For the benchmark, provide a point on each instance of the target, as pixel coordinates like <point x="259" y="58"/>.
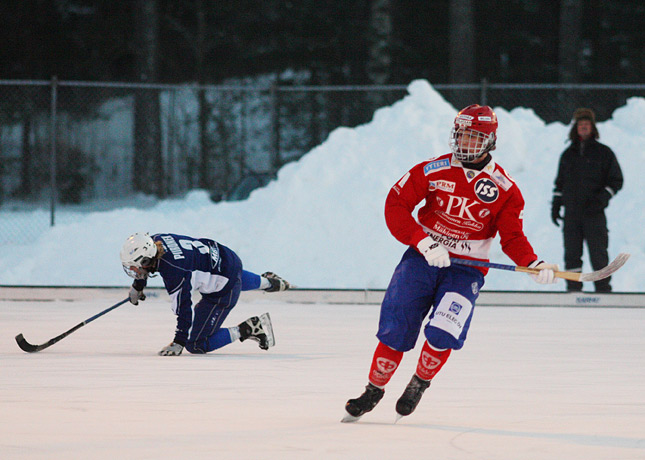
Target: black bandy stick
<point x="29" y="348"/>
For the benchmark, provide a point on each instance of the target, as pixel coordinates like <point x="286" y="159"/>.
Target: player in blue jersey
<point x="187" y="264"/>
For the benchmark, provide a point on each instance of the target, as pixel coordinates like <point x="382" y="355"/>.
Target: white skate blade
<point x="265" y="319"/>
<point x="348" y="418"/>
<point x="398" y="417"/>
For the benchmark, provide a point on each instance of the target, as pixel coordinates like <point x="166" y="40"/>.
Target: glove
<point x="603" y="198"/>
<point x="136" y="295"/>
<point x="436" y="255"/>
<point x="173" y="349"/>
<point x="546" y="274"/>
<point x="555" y="210"/>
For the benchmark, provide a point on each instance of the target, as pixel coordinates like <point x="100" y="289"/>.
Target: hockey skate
<point x="258" y="329"/>
<point x="277" y="283"/>
<point x="411" y="396"/>
<point x="364" y="403"/>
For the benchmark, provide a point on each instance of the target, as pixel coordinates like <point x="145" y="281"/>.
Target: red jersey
<point x="464" y="209"/>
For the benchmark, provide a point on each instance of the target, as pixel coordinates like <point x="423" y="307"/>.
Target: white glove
<point x="135" y="296"/>
<point x="546" y="275"/>
<point x="436" y="255"/>
<point x="173" y="349"/>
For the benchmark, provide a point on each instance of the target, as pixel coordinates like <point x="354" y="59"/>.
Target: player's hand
<point x="136" y="295"/>
<point x="546" y="274"/>
<point x="172" y="349"/>
<point x="436" y="255"/>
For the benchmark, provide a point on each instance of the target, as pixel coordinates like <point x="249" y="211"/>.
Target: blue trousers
<point x="206" y="333"/>
<point x="209" y="313"/>
<point x="446" y="296"/>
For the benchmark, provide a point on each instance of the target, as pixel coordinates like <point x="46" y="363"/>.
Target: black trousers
<point x="592" y="228"/>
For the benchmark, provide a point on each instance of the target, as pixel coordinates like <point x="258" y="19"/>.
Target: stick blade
<point x="24" y="345"/>
<point x="608" y="270"/>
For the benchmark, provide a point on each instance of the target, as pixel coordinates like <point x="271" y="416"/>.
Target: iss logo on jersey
<point x="486" y="190"/>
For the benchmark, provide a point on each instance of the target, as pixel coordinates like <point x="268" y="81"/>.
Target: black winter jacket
<point x="587" y="177"/>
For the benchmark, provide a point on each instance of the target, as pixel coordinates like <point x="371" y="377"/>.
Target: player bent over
<point x="468" y="200"/>
<point x="187" y="264"/>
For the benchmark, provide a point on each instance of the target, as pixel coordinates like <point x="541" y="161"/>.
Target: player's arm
<point x="516" y="245"/>
<point x="509" y="223"/>
<point x="182" y="306"/>
<point x="614" y="174"/>
<point x="400" y="203"/>
<point x="136" y="291"/>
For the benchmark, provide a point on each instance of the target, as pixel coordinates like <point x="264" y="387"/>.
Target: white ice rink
<point x="531" y="383"/>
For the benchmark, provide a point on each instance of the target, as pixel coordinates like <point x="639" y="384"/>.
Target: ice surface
<point x="530" y="383"/>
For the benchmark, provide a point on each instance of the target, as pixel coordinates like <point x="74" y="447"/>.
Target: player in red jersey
<point x="468" y="200"/>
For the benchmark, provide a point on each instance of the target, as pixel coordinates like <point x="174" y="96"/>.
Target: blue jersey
<point x="190" y="264"/>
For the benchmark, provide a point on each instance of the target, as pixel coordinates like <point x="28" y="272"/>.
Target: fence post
<point x="275" y="127"/>
<point x="52" y="148"/>
<point x="484" y="96"/>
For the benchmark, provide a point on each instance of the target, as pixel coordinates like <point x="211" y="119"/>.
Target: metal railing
<point x="88" y="145"/>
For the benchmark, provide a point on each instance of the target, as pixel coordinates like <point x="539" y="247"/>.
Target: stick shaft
<point x="597" y="275"/>
<point x="573" y="276"/>
<point x="29" y="348"/>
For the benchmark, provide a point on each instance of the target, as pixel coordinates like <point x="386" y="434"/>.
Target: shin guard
<point x="384" y="363"/>
<point x="431" y="361"/>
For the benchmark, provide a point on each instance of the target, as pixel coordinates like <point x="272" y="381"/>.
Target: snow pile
<point x="321" y="224"/>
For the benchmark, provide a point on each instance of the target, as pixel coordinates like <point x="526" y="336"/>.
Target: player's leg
<point x="269" y="282"/>
<point x="445" y="331"/>
<point x="258" y="329"/>
<point x="405" y="306"/>
<point x="210" y="312"/>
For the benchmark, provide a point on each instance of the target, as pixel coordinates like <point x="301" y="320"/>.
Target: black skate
<point x="411" y="396"/>
<point x="364" y="403"/>
<point x="277" y="283"/>
<point x="258" y="329"/>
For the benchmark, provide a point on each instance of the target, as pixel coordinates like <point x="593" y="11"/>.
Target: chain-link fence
<point x="83" y="145"/>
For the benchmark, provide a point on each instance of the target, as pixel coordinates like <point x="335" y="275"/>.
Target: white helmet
<point x="137" y="255"/>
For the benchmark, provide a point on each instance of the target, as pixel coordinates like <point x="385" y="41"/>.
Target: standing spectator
<point x="588" y="177"/>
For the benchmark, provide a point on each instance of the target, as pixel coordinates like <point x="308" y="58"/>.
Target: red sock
<point x="431" y="361"/>
<point x="384" y="363"/>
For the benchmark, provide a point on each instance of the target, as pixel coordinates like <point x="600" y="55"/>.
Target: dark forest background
<point x="152" y="56"/>
<point x="338" y="41"/>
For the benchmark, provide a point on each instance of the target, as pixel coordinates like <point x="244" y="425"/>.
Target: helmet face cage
<point x="137" y="273"/>
<point x="473" y="133"/>
<point x="467" y="145"/>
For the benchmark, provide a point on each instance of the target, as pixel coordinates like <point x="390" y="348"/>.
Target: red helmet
<point x="474" y="133"/>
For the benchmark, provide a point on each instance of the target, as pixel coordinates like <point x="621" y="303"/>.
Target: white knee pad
<point x="452" y="313"/>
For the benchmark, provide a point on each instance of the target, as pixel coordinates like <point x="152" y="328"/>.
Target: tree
<point x="462" y="42"/>
<point x="569" y="52"/>
<point x="148" y="173"/>
<point x="380" y="42"/>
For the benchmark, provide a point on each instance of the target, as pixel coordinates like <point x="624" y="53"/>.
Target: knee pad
<point x="440" y="339"/>
<point x="450" y="321"/>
